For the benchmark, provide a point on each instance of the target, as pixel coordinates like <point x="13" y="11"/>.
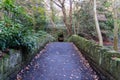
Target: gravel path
<point x="58" y="61"/>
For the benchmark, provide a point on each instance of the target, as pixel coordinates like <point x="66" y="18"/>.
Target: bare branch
<point x="70" y="12"/>
<point x="57" y="4"/>
<point x="46" y="4"/>
<point x="63" y="1"/>
<point x="60" y="1"/>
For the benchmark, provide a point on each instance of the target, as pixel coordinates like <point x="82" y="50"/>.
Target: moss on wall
<point x="99" y="56"/>
<point x="11" y="63"/>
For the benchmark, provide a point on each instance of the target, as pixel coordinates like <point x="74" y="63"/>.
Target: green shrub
<point x="9" y="35"/>
<point x="16" y="37"/>
<point x="17" y="27"/>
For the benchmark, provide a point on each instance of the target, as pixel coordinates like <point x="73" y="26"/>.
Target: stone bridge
<point x="77" y="59"/>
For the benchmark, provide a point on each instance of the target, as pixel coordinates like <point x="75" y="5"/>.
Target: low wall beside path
<point x="12" y="62"/>
<point x="106" y="62"/>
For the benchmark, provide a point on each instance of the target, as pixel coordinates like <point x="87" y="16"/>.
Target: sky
<point x="58" y="9"/>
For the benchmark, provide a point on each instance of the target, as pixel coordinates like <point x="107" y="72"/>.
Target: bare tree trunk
<point x="52" y="16"/>
<point x="74" y="20"/>
<point x="78" y="27"/>
<point x="67" y="22"/>
<point x="65" y="19"/>
<point x="76" y="15"/>
<point x="70" y="16"/>
<point x="97" y="25"/>
<point x="115" y="26"/>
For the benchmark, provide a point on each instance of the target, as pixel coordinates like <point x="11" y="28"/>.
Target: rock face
<point x="10" y="64"/>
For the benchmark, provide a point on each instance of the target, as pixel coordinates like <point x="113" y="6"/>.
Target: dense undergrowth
<point x="16" y="37"/>
<point x="18" y="26"/>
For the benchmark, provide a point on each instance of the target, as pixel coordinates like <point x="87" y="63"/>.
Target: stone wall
<point x="100" y="58"/>
<point x="11" y="63"/>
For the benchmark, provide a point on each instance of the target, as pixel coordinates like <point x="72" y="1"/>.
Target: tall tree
<point x="50" y="13"/>
<point x="36" y="10"/>
<point x="66" y="18"/>
<point x="115" y="16"/>
<point x="76" y="16"/>
<point x="52" y="16"/>
<point x="97" y="25"/>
